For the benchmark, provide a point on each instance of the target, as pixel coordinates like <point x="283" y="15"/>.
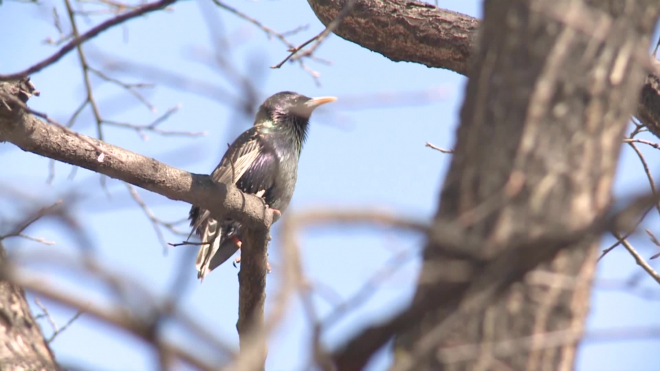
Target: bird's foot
<point x="276" y="215"/>
<point x="237" y="241"/>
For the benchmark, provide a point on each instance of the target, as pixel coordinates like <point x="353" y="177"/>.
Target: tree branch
<point x="408" y="31"/>
<point x="33" y="135"/>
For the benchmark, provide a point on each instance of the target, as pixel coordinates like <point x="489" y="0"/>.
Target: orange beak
<point x="315" y="102"/>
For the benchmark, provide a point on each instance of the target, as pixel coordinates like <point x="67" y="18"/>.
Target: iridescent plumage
<point x="263" y="161"/>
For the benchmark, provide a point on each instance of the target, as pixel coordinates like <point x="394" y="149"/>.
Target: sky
<point x="367" y="150"/>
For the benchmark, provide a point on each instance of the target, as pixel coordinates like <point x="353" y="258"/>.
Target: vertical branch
<point x="252" y="294"/>
<point x="85" y="69"/>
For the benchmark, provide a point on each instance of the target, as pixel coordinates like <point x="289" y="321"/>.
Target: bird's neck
<point x="298" y="131"/>
<point x="294" y="131"/>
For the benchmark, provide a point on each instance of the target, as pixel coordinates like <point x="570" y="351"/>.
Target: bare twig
<point x="87" y="36"/>
<point x="153" y="127"/>
<point x="85" y="70"/>
<point x="280" y="36"/>
<point x="646" y="170"/>
<point x="348" y="7"/>
<point x="647" y="142"/>
<point x="638" y="259"/>
<point x="439" y="149"/>
<point x="293" y="50"/>
<point x="18" y="230"/>
<point x="132" y="88"/>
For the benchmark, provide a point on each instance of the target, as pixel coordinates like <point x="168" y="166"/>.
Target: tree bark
<point x="410" y="31"/>
<point x="552" y="88"/>
<point x="22" y="345"/>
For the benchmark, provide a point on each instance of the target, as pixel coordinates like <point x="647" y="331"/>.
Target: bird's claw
<point x="276" y="215"/>
<point x="238" y="261"/>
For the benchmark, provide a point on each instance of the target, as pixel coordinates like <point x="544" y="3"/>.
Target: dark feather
<point x="262" y="161"/>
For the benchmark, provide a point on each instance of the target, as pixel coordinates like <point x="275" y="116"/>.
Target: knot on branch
<point x="25" y="89"/>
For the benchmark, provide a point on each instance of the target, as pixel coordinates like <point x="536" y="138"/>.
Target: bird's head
<point x="289" y="111"/>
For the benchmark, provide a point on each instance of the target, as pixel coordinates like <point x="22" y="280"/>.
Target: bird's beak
<point x="315" y="102"/>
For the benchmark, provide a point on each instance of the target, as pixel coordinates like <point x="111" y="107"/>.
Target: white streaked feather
<point x="231" y="169"/>
<point x="212" y="234"/>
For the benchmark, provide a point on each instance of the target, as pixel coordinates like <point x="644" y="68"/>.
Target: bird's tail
<point x="211" y="240"/>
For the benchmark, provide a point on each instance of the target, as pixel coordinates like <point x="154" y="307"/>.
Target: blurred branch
<point x="155" y="221"/>
<point x="142" y="328"/>
<point x="504" y="348"/>
<point x="144" y="9"/>
<point x="655" y="242"/>
<point x="638" y="259"/>
<point x="153" y="127"/>
<point x="56" y="330"/>
<point x="439" y="149"/>
<point x="280" y="36"/>
<point x="132" y="88"/>
<point x="20" y="227"/>
<point x="481" y="279"/>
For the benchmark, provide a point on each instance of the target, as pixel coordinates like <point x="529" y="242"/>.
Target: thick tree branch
<point x="405" y="31"/>
<point x="408" y="31"/>
<point x="33" y="135"/>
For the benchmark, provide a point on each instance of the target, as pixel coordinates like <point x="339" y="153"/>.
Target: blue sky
<point x="355" y="157"/>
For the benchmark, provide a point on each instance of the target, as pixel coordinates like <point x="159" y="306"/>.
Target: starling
<point x="262" y="161"/>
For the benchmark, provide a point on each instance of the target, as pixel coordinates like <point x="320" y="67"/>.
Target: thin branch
<point x="18" y="230"/>
<point x="348" y="7"/>
<point x="153" y="127"/>
<point x="647" y="142"/>
<point x="37" y="239"/>
<point x="155" y="221"/>
<point x="293" y="50"/>
<point x="87" y="36"/>
<point x="638" y="259"/>
<point x="132" y="88"/>
<point x="85" y="69"/>
<point x="438" y="148"/>
<point x="280" y="36"/>
<point x="655" y="242"/>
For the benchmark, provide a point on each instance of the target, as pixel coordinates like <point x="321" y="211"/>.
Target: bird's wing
<point x="250" y="163"/>
<point x="236" y="161"/>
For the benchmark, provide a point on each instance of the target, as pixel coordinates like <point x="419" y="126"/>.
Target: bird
<point x="262" y="161"/>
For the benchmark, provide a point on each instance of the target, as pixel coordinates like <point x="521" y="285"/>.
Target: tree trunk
<point x="22" y="345"/>
<point x="552" y="87"/>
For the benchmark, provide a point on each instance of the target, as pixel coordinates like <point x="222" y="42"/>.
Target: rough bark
<point x="410" y="31"/>
<point x="552" y="88"/>
<point x="22" y="345"/>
